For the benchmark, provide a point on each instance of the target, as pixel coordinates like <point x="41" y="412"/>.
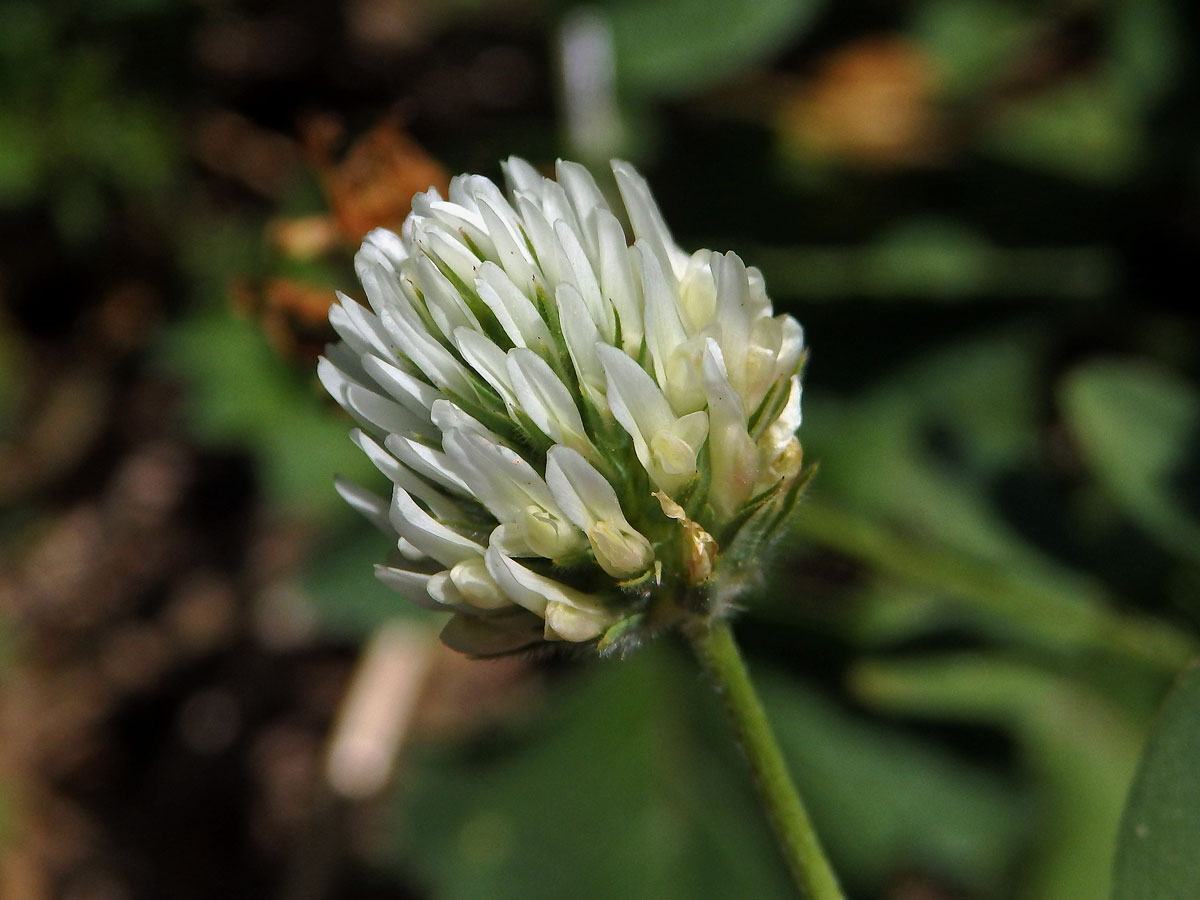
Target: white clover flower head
<point x="586" y="437"/>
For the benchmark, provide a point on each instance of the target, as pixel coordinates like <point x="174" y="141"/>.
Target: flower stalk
<point x="718" y="654"/>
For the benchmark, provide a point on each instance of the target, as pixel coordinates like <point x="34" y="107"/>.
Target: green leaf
<point x="617" y="798"/>
<point x="1080" y="749"/>
<point x="969" y="39"/>
<point x="241" y="392"/>
<point x="339" y="582"/>
<point x="1137" y="427"/>
<point x="884" y="802"/>
<point x="887" y="496"/>
<point x="672" y="47"/>
<point x="1158" y="850"/>
<point x="1087" y="129"/>
<point x="632" y="788"/>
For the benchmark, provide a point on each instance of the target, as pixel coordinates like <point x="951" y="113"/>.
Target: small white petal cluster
<point x="527" y="379"/>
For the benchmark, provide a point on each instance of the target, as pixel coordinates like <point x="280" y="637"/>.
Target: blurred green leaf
<point x="1063" y="612"/>
<point x="1086" y="129"/>
<point x="1138" y="428"/>
<point x="242" y="393"/>
<point x="1158" y="851"/>
<point x="969" y="39"/>
<point x="887" y="803"/>
<point x="634" y="790"/>
<point x="12" y="359"/>
<point x="905" y="487"/>
<point x="1081" y="748"/>
<point x="1146" y="48"/>
<point x="616" y="799"/>
<point x="671" y="47"/>
<point x="339" y="581"/>
<point x="73" y="131"/>
<point x="931" y="260"/>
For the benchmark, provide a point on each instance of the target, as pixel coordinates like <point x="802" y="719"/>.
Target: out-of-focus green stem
<point x="1070" y="618"/>
<point x="718" y="654"/>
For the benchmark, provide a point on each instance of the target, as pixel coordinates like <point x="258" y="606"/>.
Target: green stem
<point x="717" y="652"/>
<point x="1052" y="608"/>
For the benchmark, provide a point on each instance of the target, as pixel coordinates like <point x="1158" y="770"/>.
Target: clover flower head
<point x="584" y="435"/>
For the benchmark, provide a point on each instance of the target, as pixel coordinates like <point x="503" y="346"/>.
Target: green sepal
<point x="645" y="583"/>
<point x="694" y="497"/>
<point x="623" y="636"/>
<point x="769" y="409"/>
<point x="787" y="505"/>
<point x="754" y="535"/>
<point x="487" y="319"/>
<point x="755" y="505"/>
<point x="483" y="408"/>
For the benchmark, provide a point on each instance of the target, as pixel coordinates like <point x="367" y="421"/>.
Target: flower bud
<point x="620" y="552"/>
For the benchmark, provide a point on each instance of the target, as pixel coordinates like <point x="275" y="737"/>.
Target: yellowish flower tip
<point x="580" y="422"/>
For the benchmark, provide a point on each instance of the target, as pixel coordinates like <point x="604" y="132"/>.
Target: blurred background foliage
<point x="983" y="211"/>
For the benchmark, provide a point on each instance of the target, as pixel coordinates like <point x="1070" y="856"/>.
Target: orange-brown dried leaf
<point x="869" y="102"/>
<point x="374" y="184"/>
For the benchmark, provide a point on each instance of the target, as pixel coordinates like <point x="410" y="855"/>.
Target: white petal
<point x="348" y="362"/>
<point x="487" y="360"/>
<point x="647" y="221"/>
<point x="366" y="405"/>
<point x="437" y="364"/>
<point x="791" y="347"/>
<point x="591" y="504"/>
<point x="504" y="570"/>
<point x="637" y="402"/>
<point x="546" y="400"/>
<point x="698" y="293"/>
<point x="733" y="316"/>
<point x="451" y="253"/>
<point x="732" y="453"/>
<point x="582" y="616"/>
<point x="582" y="276"/>
<point x="549" y="255"/>
<point x="557" y="207"/>
<point x="464" y="223"/>
<point x="585" y="198"/>
<point x="449" y="417"/>
<point x="499" y="477"/>
<point x="369" y="505"/>
<point x="664" y="330"/>
<point x="462" y="192"/>
<point x="389" y="243"/>
<point x="582" y="492"/>
<point x="513" y="310"/>
<point x="476" y="586"/>
<point x="380" y="278"/>
<point x="780" y="432"/>
<point x="445" y="304"/>
<point x="581" y="336"/>
<point x="617" y="281"/>
<point x="413" y="585"/>
<point x="413" y="394"/>
<point x="399" y="474"/>
<point x="358" y="327"/>
<point x="426" y="462"/>
<point x="521" y="176"/>
<point x="571" y="623"/>
<point x="509" y="240"/>
<point x="427" y="533"/>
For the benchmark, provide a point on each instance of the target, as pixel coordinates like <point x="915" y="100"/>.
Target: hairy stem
<point x="718" y="654"/>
